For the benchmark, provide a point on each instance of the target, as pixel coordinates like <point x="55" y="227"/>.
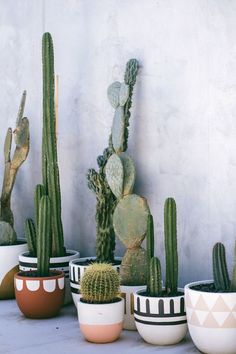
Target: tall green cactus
<point x="44" y="237"/>
<point x="171" y="246"/>
<point x="220" y="271"/>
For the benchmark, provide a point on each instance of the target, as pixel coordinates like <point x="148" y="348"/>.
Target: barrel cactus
<point x="120" y="97"/>
<point x="12" y="165"/>
<point x="50" y="170"/>
<point x="100" y="284"/>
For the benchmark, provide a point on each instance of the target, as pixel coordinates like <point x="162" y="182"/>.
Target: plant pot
<point x="211" y="319"/>
<point x="27" y="263"/>
<point x="127" y="292"/>
<point x="77" y="272"/>
<point x="160" y="320"/>
<point x="8" y="267"/>
<point x="101" y="323"/>
<point x="40" y="297"/>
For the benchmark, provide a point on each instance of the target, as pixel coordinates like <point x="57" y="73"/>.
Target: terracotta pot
<point x="101" y="323"/>
<point x="160" y="320"/>
<point x="211" y="319"/>
<point x="8" y="267"/>
<point x="40" y="297"/>
<point x="56" y="263"/>
<point x="77" y="271"/>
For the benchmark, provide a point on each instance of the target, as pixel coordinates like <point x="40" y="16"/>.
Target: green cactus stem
<point x="150" y="247"/>
<point x="30" y="234"/>
<point x="44" y="237"/>
<point x="154" y="281"/>
<point x="220" y="271"/>
<point x="233" y="280"/>
<point x="39" y="192"/>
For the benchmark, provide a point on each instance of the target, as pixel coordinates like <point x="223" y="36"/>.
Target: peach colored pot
<point x="40" y="297"/>
<point x="101" y="323"/>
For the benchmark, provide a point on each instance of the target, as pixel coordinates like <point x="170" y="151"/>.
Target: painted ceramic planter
<point x="211" y="320"/>
<point x="8" y="267"/>
<point x="160" y="320"/>
<point x="101" y="323"/>
<point x="27" y="263"/>
<point x="77" y="271"/>
<point x="40" y="297"/>
<point x="127" y="292"/>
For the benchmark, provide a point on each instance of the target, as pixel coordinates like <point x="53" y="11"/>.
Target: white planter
<point x="160" y="320"/>
<point x="77" y="271"/>
<point x="211" y="320"/>
<point x="127" y="292"/>
<point x="8" y="267"/>
<point x="101" y="323"/>
<point x="56" y="263"/>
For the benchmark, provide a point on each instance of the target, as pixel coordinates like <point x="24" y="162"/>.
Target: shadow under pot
<point x="27" y="263"/>
<point x="101" y="323"/>
<point x="160" y="320"/>
<point x="40" y="297"/>
<point x="77" y="269"/>
<point x="211" y="318"/>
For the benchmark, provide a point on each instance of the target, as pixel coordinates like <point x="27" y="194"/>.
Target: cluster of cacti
<point x="220" y="271"/>
<point x="12" y="165"/>
<point x="120" y="97"/>
<point x="36" y="234"/>
<point x="154" y="282"/>
<point x="100" y="284"/>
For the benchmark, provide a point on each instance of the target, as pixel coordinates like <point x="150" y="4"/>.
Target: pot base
<point x="101" y="333"/>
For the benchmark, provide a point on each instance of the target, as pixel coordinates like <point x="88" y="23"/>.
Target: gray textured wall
<point x="183" y="125"/>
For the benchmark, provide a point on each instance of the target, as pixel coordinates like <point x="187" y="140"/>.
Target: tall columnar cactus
<point x="120" y="97"/>
<point x="171" y="246"/>
<point x="220" y="271"/>
<point x="100" y="283"/>
<point x="44" y="237"/>
<point x="12" y="165"/>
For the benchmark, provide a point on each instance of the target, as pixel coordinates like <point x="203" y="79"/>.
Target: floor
<point x="61" y="335"/>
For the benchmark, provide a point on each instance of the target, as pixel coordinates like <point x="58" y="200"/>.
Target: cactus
<point x="44" y="237"/>
<point x="120" y="97"/>
<point x="171" y="246"/>
<point x="154" y="281"/>
<point x="7" y="234"/>
<point x="100" y="284"/>
<point x="30" y="234"/>
<point x="12" y="165"/>
<point x="220" y="271"/>
<point x="233" y="280"/>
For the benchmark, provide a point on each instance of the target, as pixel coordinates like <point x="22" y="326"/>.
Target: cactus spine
<point x="100" y="283"/>
<point x="171" y="246"/>
<point x="43" y="241"/>
<point x="12" y="165"/>
<point x="220" y="271"/>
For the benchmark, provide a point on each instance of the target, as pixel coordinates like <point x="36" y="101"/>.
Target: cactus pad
<point x="117" y="129"/>
<point x="123" y="94"/>
<point x="133" y="269"/>
<point x="129" y="174"/>
<point x="113" y="94"/>
<point x="115" y="175"/>
<point x="130" y="220"/>
<point x="7" y="234"/>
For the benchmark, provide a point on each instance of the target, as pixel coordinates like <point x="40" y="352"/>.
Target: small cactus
<point x="100" y="284"/>
<point x="220" y="271"/>
<point x="154" y="281"/>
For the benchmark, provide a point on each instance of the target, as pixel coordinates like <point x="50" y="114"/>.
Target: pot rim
<point x="189" y="285"/>
<point x="105" y="304"/>
<point x="83" y="259"/>
<point x="137" y="293"/>
<point x="68" y="251"/>
<point x="21" y="242"/>
<point x="57" y="275"/>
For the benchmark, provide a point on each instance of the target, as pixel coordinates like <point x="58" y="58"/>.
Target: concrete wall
<point x="183" y="125"/>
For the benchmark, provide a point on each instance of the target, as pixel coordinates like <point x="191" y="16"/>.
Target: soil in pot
<point x="208" y="288"/>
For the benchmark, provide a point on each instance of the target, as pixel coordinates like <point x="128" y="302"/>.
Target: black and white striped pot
<point x="77" y="270"/>
<point x="56" y="263"/>
<point x="160" y="320"/>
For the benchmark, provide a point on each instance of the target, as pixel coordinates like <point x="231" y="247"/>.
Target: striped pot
<point x="211" y="319"/>
<point x="8" y="267"/>
<point x="160" y="320"/>
<point x="77" y="270"/>
<point x="56" y="263"/>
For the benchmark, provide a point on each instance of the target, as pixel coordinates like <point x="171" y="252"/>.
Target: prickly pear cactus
<point x="129" y="173"/>
<point x="7" y="234"/>
<point x="115" y="175"/>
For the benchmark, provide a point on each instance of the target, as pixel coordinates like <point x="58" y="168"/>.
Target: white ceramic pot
<point x="56" y="263"/>
<point x="211" y="319"/>
<point x="8" y="267"/>
<point x="160" y="320"/>
<point x="127" y="292"/>
<point x="77" y="270"/>
<point x="101" y="323"/>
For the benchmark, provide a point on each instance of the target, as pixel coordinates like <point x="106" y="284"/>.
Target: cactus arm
<point x="39" y="192"/>
<point x="21" y="108"/>
<point x="220" y="271"/>
<point x="233" y="280"/>
<point x="30" y="234"/>
<point x="150" y="247"/>
<point x="155" y="277"/>
<point x="44" y="237"/>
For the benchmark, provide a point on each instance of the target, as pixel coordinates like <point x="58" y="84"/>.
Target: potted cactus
<point x="100" y="308"/>
<point x="40" y="294"/>
<point x="211" y="307"/>
<point x="10" y="246"/>
<point x="60" y="257"/>
<point x="120" y="97"/>
<point x="159" y="312"/>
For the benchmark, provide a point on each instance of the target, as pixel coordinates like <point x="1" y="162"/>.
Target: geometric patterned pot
<point x="211" y="319"/>
<point x="160" y="320"/>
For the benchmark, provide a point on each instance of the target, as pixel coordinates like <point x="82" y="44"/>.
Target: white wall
<point x="183" y="125"/>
